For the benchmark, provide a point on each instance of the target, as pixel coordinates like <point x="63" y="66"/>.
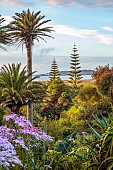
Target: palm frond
<point x="14" y="86"/>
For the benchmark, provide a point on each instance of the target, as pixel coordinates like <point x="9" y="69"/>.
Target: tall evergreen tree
<point x="54" y="72"/>
<point x="75" y="72"/>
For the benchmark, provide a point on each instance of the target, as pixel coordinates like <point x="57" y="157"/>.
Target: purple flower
<point x="71" y="139"/>
<point x="18" y="120"/>
<point x="18" y="133"/>
<point x="7" y="154"/>
<point x="26" y="128"/>
<point x="47" y="166"/>
<point x="20" y="141"/>
<point x="7" y="132"/>
<point x="84" y="133"/>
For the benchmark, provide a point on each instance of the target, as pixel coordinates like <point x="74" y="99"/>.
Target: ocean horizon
<point x="45" y="78"/>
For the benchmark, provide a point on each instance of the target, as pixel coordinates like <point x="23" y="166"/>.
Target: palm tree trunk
<point x="29" y="70"/>
<point x="30" y="112"/>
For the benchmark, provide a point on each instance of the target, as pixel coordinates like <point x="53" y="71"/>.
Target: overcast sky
<point x="87" y="23"/>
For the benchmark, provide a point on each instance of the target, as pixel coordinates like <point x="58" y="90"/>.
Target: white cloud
<point x="15" y="3"/>
<point x="7" y="19"/>
<point x="84" y="33"/>
<point x="61" y="2"/>
<point x="106" y="39"/>
<point x="96" y="3"/>
<point x="80" y="33"/>
<point x="82" y="3"/>
<point x="108" y="29"/>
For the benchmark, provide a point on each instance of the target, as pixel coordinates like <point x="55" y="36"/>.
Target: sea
<point x="45" y="78"/>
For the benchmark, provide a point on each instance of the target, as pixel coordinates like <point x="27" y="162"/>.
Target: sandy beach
<point x="84" y="81"/>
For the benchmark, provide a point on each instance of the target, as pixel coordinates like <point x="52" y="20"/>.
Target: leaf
<point x="109" y="159"/>
<point x="63" y="146"/>
<point x="95" y="132"/>
<point x="102" y="122"/>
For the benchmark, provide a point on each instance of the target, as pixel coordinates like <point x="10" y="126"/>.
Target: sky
<point x="86" y="23"/>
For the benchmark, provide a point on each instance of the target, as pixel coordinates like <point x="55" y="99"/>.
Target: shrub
<point x="25" y="140"/>
<point x="2" y="113"/>
<point x="103" y="76"/>
<point x="58" y="161"/>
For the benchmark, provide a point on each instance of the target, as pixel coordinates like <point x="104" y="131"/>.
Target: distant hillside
<point x="65" y="73"/>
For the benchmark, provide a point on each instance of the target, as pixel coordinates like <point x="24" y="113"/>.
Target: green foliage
<point x="103" y="107"/>
<point x="56" y="99"/>
<point x="73" y="117"/>
<point x="102" y="146"/>
<point x="14" y="89"/>
<point x="88" y="94"/>
<point x="95" y="132"/>
<point x="54" y="73"/>
<point x="25" y="28"/>
<point x="101" y="122"/>
<point x="80" y="147"/>
<point x="59" y="129"/>
<point x="70" y="91"/>
<point x="64" y="144"/>
<point x="100" y="153"/>
<point x="75" y="73"/>
<point x="69" y="121"/>
<point x="91" y="102"/>
<point x="4" y="35"/>
<point x="88" y="101"/>
<point x="75" y="159"/>
<point x="2" y="113"/>
<point x="57" y="161"/>
<point x="28" y="26"/>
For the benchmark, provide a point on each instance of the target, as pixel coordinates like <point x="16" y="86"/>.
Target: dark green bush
<point x="61" y="162"/>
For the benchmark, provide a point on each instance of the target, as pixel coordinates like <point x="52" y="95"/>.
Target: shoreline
<point x="84" y="81"/>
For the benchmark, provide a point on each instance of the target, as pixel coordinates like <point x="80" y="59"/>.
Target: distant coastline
<point x="85" y="74"/>
<point x="65" y="73"/>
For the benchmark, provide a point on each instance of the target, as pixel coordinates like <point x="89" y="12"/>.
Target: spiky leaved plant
<point x="14" y="89"/>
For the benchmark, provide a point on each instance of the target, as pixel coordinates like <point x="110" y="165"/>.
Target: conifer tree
<point x="57" y="99"/>
<point x="54" y="72"/>
<point x="75" y="72"/>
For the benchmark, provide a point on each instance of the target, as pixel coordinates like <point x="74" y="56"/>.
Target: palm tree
<point x="25" y="28"/>
<point x="14" y="89"/>
<point x="4" y="36"/>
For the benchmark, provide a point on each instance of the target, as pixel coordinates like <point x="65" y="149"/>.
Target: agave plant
<point x="102" y="146"/>
<point x="101" y="123"/>
<point x="64" y="144"/>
